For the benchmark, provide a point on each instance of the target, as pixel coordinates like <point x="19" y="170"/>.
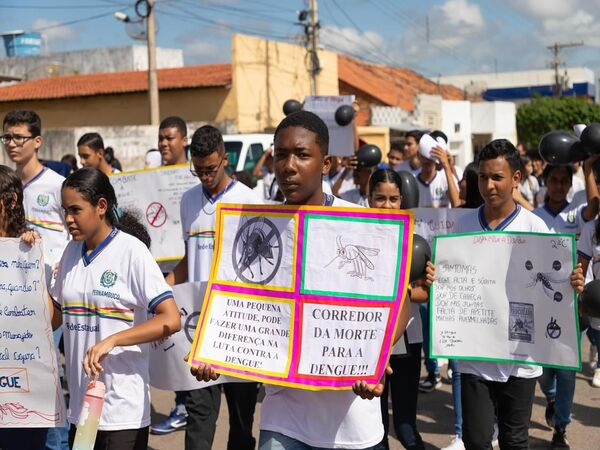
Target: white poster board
<point x="505" y="297"/>
<point x="341" y="139"/>
<point x="430" y="222"/>
<point x="168" y="370"/>
<point x="31" y="393"/>
<point x="156" y="195"/>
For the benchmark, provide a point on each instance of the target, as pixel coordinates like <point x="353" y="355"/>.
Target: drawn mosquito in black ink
<point x="357" y="255"/>
<point x="260" y="240"/>
<point x="547" y="279"/>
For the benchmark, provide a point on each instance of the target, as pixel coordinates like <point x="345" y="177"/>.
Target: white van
<point x="244" y="150"/>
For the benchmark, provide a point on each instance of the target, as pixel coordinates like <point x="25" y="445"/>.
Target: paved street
<point x="435" y="419"/>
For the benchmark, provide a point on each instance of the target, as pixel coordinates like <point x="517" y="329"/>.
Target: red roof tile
<point x="210" y="75"/>
<point x="391" y="86"/>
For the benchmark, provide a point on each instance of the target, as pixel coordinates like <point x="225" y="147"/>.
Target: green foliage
<point x="545" y="114"/>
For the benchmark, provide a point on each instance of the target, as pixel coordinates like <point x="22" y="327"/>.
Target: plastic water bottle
<point x="89" y="417"/>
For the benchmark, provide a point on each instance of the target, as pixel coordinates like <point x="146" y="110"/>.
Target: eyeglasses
<point x="208" y="172"/>
<point x="18" y="140"/>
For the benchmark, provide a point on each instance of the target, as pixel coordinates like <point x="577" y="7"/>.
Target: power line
<point x="72" y="22"/>
<point x="53" y="6"/>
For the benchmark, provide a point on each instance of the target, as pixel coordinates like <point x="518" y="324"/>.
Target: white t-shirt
<point x="198" y="211"/>
<point x="354" y="196"/>
<point x="578" y="185"/>
<point x="435" y="193"/>
<point x="275" y="186"/>
<point x="329" y="419"/>
<point x="43" y="210"/>
<point x="568" y="220"/>
<point x="405" y="165"/>
<point x="519" y="220"/>
<point x="112" y="289"/>
<point x="347" y="184"/>
<point x="529" y="188"/>
<point x="414" y="330"/>
<point x="589" y="248"/>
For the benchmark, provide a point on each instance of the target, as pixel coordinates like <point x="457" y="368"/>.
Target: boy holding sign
<point x="301" y="419"/>
<point x="490" y="388"/>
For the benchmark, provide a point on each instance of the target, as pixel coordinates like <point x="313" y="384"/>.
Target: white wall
<point x="456" y="123"/>
<point x="495" y="118"/>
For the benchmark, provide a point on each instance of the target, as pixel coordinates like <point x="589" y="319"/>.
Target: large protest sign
<point x="431" y="222"/>
<point x="505" y="297"/>
<point x="30" y="391"/>
<point x="156" y="195"/>
<point x="341" y="138"/>
<point x="304" y="296"/>
<point x="168" y="369"/>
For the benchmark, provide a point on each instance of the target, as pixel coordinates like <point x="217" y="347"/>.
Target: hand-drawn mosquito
<point x="357" y="255"/>
<point x="546" y="279"/>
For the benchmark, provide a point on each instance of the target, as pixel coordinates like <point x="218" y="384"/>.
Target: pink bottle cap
<point x="96" y="389"/>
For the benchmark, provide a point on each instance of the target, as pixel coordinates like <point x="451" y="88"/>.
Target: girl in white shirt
<point x="106" y="284"/>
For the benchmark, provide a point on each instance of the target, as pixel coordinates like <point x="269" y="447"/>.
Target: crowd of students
<point x="91" y="245"/>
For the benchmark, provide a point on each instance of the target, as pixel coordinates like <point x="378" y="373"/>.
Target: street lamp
<point x="144" y="10"/>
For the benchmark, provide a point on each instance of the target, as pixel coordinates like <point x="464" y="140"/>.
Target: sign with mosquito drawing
<point x="505" y="297"/>
<point x="304" y="296"/>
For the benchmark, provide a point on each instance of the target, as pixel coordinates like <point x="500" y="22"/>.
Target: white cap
<point x="426" y="144"/>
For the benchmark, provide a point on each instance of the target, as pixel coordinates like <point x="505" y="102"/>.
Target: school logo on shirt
<point x="438" y="193"/>
<point x="43" y="199"/>
<point x="108" y="279"/>
<point x="571" y="217"/>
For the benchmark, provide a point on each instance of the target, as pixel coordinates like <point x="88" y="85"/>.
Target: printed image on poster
<point x="517" y="306"/>
<point x="30" y="391"/>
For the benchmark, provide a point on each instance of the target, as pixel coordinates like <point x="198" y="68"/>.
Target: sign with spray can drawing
<point x="304" y="296"/>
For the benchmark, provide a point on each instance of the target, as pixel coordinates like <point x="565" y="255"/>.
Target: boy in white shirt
<point x="198" y="212"/>
<point x="490" y="388"/>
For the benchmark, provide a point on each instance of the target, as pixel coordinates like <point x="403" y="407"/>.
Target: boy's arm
<point x="518" y="197"/>
<point x="180" y="273"/>
<point x="442" y="156"/>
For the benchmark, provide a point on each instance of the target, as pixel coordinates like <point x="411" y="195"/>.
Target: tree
<point x="545" y="114"/>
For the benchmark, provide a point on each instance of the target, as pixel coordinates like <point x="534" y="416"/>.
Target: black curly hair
<point x="205" y="141"/>
<point x="93" y="185"/>
<point x="12" y="211"/>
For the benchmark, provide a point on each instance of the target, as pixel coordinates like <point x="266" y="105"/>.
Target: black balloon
<point x="368" y="155"/>
<point x="584" y="322"/>
<point x="421" y="253"/>
<point x="409" y="191"/>
<point x="555" y="147"/>
<point x="590" y="299"/>
<point x="344" y="115"/>
<point x="578" y="152"/>
<point x="590" y="138"/>
<point x="291" y="106"/>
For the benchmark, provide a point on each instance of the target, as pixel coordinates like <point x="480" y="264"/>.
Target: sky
<point x="433" y="37"/>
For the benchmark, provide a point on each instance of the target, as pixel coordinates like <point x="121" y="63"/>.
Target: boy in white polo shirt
<point x="490" y="388"/>
<point x="22" y="138"/>
<point x="198" y="209"/>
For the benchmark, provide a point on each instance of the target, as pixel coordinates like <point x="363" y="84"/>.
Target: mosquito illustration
<point x="357" y="255"/>
<point x="546" y="279"/>
<point x="255" y="245"/>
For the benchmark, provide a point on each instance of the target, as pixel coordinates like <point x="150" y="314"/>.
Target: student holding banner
<point x="294" y="418"/>
<point x="490" y="388"/>
<point x="106" y="284"/>
<point x="198" y="208"/>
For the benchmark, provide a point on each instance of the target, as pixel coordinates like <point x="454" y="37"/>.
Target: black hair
<point x="534" y="154"/>
<point x="396" y="145"/>
<point x="205" y="141"/>
<point x="14" y="216"/>
<point x="437" y="133"/>
<point x="24" y="117"/>
<point x="311" y="122"/>
<point x="92" y="185"/>
<point x="550" y="167"/>
<point x="109" y="157"/>
<point x="174" y="122"/>
<point x="385" y="176"/>
<point x="71" y="160"/>
<point x="473" y="198"/>
<point x="416" y="134"/>
<point x="501" y="148"/>
<point x="91" y="140"/>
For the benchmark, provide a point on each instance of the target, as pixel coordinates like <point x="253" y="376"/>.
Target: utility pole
<point x="152" y="77"/>
<point x="555" y="64"/>
<point x="315" y="67"/>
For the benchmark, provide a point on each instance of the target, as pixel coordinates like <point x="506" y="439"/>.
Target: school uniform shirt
<point x="198" y="209"/>
<point x="578" y="186"/>
<point x="588" y="248"/>
<point x="414" y="330"/>
<point x="330" y="419"/>
<point x="529" y="187"/>
<point x="43" y="211"/>
<point x="354" y="196"/>
<point x="347" y="183"/>
<point x="101" y="293"/>
<point x="568" y="220"/>
<point x="519" y="220"/>
<point x="433" y="194"/>
<point x="275" y="187"/>
<point x="405" y="165"/>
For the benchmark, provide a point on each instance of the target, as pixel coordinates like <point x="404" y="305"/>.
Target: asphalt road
<point x="435" y="418"/>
